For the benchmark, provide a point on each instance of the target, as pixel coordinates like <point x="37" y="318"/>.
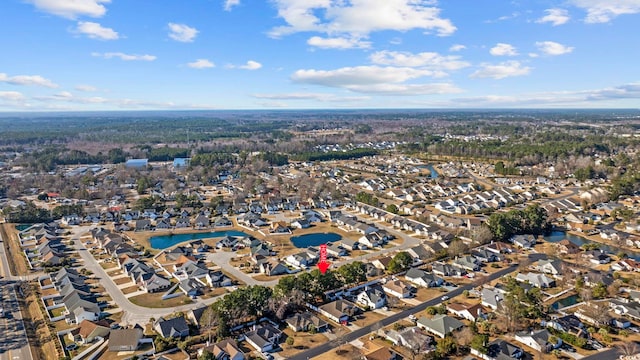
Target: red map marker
<point x="323" y="264"/>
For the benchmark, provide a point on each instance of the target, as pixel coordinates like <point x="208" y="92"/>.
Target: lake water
<point x="315" y="239"/>
<point x="434" y="173"/>
<point x="165" y="241"/>
<point x="557" y="236"/>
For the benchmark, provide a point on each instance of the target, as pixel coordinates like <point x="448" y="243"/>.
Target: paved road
<point x="609" y="354"/>
<point x="14" y="344"/>
<point x="133" y="314"/>
<point x="328" y="346"/>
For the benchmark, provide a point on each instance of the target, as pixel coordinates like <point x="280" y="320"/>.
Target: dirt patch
<point x="301" y="341"/>
<point x="345" y="352"/>
<point x="41" y="339"/>
<point x="122" y="281"/>
<point x="130" y="289"/>
<point x="17" y="261"/>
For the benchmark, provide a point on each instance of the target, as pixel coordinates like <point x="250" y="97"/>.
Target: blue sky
<point x="241" y="54"/>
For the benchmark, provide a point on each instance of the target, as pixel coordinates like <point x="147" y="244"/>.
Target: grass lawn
<point x="155" y="301"/>
<point x="301" y="341"/>
<point x="368" y="318"/>
<point x="344" y="352"/>
<point x="130" y="289"/>
<point x="109" y="265"/>
<point x="17" y="261"/>
<point x="122" y="281"/>
<point x="57" y="312"/>
<point x="214" y="292"/>
<point x="263" y="277"/>
<point x="425" y="294"/>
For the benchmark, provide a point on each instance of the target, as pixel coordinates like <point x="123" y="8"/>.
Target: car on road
<point x="444" y="298"/>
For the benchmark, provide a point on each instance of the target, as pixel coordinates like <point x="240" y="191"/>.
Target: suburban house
<point x="440" y="325"/>
<point x="442" y="269"/>
<point x="411" y="337"/>
<point x="567" y="247"/>
<point x="570" y="324"/>
<point x="176" y="327"/>
<point x="538" y="340"/>
<point x="397" y="288"/>
<point x="305" y="322"/>
<point x="373" y="297"/>
<point x="538" y="280"/>
<point x="553" y="267"/>
<point x="125" y="339"/>
<point x="224" y="350"/>
<point x="491" y="297"/>
<point x="500" y="350"/>
<point x="339" y="311"/>
<point x="263" y="337"/>
<point x="523" y="241"/>
<point x="467" y="311"/>
<point x="423" y="278"/>
<point x="88" y="331"/>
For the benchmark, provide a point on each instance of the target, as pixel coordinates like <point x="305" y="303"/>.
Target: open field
<point x="17" y="261"/>
<point x="43" y="344"/>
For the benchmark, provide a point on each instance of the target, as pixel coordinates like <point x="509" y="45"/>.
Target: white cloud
<point x="323" y="97"/>
<point x="125" y="57"/>
<point x="428" y="60"/>
<point x="11" y="96"/>
<point x="230" y="4"/>
<point x="86" y="88"/>
<point x="502" y="49"/>
<point x="96" y="31"/>
<point x="533" y="55"/>
<point x="603" y="11"/>
<point x="359" y="75"/>
<point x="35" y="80"/>
<point x="358" y="18"/>
<point x="71" y="9"/>
<point x="338" y="43"/>
<point x="201" y="64"/>
<point x="407" y="89"/>
<point x="457" y="47"/>
<point x="182" y="32"/>
<point x="552" y="98"/>
<point x="555" y="17"/>
<point x="502" y="70"/>
<point x="250" y="65"/>
<point x="553" y="48"/>
<point x="374" y="80"/>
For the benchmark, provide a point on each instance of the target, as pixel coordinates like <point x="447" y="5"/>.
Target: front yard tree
<point x="353" y="273"/>
<point x="392" y="208"/>
<point x="400" y="262"/>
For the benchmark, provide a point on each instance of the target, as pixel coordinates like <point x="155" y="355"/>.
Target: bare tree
<point x="627" y="348"/>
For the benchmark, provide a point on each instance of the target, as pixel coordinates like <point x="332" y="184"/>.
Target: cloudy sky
<point x="241" y="54"/>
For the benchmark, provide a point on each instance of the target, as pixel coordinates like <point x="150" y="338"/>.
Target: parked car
<point x="71" y="347"/>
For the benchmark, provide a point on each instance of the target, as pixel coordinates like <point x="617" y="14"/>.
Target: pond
<point x="315" y="239"/>
<point x="568" y="301"/>
<point x="165" y="241"/>
<point x="434" y="173"/>
<point x="557" y="236"/>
